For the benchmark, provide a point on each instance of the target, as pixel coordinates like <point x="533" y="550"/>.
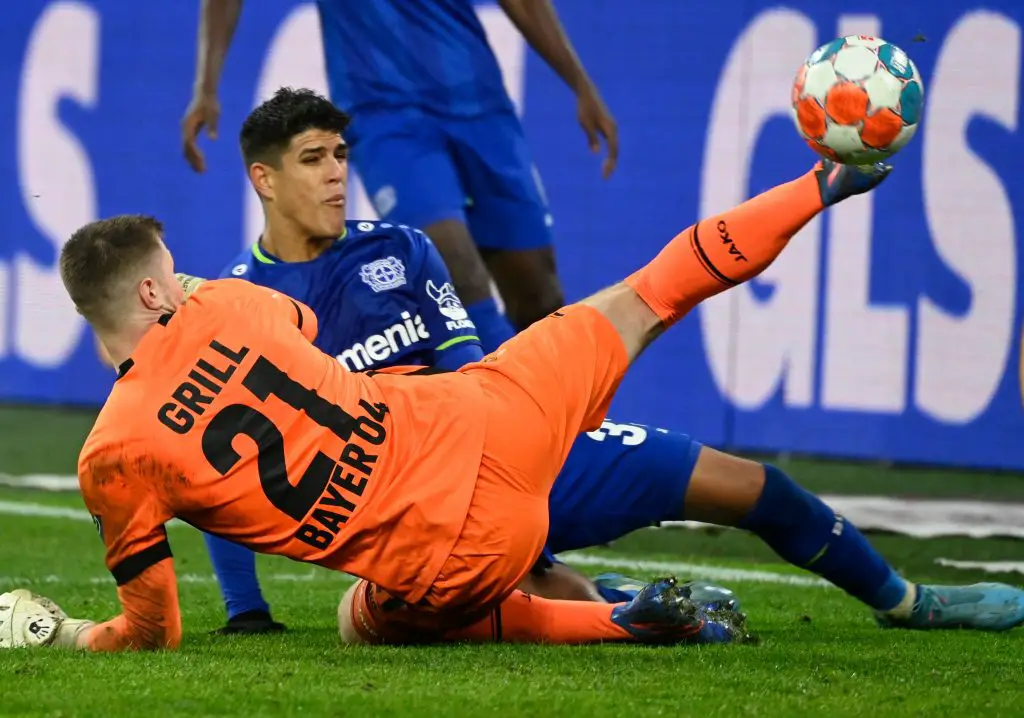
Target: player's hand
<point x="597" y="122"/>
<point x="49" y="604"/>
<point x="25" y="622"/>
<point x="30" y="620"/>
<point x="203" y="111"/>
<point x="188" y="283"/>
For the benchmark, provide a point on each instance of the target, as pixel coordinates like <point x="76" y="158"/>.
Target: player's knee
<point x="368" y="614"/>
<point x="533" y="302"/>
<point x="528" y="282"/>
<point x="634" y="322"/>
<point x="723" y="489"/>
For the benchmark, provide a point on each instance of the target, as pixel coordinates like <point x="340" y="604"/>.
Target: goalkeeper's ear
<point x="188" y="283"/>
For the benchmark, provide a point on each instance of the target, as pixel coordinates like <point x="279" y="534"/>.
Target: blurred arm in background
<point x="539" y="24"/>
<point x="217" y="22"/>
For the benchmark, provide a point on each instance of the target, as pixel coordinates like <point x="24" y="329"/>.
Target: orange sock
<point x="725" y="250"/>
<point x="523" y="618"/>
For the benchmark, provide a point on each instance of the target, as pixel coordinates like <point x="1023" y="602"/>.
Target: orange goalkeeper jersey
<point x="227" y="417"/>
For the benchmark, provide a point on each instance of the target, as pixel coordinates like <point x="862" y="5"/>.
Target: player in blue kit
<point x="383" y="298"/>
<point x="435" y="137"/>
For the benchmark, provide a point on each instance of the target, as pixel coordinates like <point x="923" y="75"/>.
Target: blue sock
<point x="235" y="567"/>
<point x="493" y="327"/>
<point x="802" y="529"/>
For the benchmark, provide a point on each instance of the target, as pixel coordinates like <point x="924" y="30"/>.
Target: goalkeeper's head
<point x="120" y="276"/>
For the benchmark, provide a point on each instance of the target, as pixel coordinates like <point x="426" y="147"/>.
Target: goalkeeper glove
<point x="30" y="620"/>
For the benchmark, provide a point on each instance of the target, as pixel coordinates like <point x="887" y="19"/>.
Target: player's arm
<point x="150" y="618"/>
<point x="277" y="304"/>
<point x="131" y="523"/>
<point x="539" y="24"/>
<point x="217" y="22"/>
<point x="454" y="337"/>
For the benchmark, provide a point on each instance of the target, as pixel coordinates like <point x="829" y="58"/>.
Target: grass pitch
<point x="820" y="652"/>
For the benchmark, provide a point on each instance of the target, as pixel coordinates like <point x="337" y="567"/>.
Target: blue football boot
<point x="616" y="588"/>
<point x="837" y="181"/>
<point x="981" y="607"/>
<point x="711" y="597"/>
<point x="661" y="613"/>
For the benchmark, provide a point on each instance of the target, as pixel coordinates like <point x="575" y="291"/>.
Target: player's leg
<point x="659" y="614"/>
<point x="802" y="529"/>
<point x="404" y="161"/>
<point x="473" y="595"/>
<point x="527" y="280"/>
<point x="723" y="251"/>
<point x="235" y="568"/>
<point x="617" y="479"/>
<point x="555" y="379"/>
<point x="625" y="476"/>
<point x="508" y="214"/>
<point x="731" y="491"/>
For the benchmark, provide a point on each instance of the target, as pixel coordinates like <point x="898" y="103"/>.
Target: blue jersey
<point x="431" y="54"/>
<point x="382" y="296"/>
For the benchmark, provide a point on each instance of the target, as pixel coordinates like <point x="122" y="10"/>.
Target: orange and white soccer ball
<point x="857" y="100"/>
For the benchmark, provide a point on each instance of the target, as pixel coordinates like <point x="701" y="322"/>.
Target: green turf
<point x="820" y="653"/>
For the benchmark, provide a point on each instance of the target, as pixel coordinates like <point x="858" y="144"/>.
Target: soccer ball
<point x="857" y="100"/>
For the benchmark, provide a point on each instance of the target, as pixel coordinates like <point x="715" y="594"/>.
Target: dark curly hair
<point x="269" y="129"/>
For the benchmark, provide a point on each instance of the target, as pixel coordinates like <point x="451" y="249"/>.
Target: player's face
<point x="311" y="186"/>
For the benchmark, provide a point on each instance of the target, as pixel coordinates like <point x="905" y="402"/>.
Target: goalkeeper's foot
<point x="250" y="623"/>
<point x="981" y="607"/>
<point x="837" y="181"/>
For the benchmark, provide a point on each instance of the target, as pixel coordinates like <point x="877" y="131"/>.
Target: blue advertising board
<point x="890" y="328"/>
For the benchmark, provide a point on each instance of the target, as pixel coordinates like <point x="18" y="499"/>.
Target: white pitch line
<point x="339" y="578"/>
<point x="986" y="566"/>
<point x="42" y="482"/>
<point x="25" y="508"/>
<point x="17" y="508"/>
<point x="692" y="570"/>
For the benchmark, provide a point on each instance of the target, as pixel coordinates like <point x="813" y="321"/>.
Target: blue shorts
<point x="617" y="479"/>
<point x="419" y="169"/>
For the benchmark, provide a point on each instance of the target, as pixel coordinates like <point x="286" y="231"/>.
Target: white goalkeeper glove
<point x="30" y="620"/>
<point x="188" y="283"/>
